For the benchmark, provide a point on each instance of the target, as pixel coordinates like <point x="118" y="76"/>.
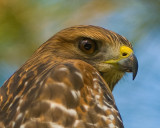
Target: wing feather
<point x="70" y="94"/>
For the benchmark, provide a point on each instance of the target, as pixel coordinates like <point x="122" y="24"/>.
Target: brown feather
<point x="61" y="86"/>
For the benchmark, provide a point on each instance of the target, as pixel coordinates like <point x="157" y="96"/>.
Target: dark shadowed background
<point x="25" y="25"/>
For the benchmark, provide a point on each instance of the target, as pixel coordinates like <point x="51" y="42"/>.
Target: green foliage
<point x="24" y="25"/>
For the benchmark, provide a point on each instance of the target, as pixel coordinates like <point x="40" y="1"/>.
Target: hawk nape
<point x="68" y="81"/>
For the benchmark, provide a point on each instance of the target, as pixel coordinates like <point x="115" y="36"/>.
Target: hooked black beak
<point x="129" y="64"/>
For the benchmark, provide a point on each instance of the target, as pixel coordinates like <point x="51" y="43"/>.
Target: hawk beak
<point x="129" y="64"/>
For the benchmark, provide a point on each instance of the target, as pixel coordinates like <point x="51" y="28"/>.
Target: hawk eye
<point x="87" y="45"/>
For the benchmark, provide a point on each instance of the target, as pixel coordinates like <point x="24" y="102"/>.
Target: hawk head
<point x="110" y="53"/>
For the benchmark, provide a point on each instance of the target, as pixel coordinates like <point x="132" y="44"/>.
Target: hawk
<point x="68" y="82"/>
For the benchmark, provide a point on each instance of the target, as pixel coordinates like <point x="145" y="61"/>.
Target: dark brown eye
<point x="88" y="46"/>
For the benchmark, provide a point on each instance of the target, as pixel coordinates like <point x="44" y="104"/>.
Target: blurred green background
<point x="25" y="25"/>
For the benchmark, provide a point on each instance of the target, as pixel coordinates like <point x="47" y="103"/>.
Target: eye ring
<point x="88" y="46"/>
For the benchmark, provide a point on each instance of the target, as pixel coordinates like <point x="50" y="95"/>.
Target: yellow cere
<point x="124" y="53"/>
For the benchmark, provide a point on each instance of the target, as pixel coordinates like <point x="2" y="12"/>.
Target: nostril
<point x="125" y="51"/>
<point x="124" y="54"/>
